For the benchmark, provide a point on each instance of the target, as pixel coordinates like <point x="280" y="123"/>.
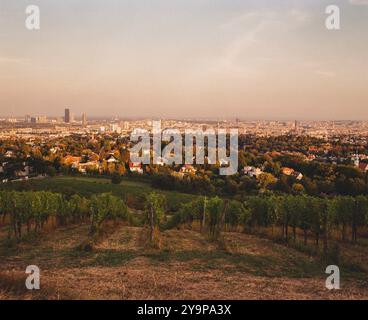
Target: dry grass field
<point x="185" y="266"/>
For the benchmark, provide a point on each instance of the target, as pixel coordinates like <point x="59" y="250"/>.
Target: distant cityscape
<point x="30" y="125"/>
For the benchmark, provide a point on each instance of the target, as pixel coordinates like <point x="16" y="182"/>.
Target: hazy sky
<point x="185" y="58"/>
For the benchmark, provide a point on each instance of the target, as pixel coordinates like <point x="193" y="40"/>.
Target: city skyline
<point x="70" y="119"/>
<point x="193" y="59"/>
<point x="79" y="116"/>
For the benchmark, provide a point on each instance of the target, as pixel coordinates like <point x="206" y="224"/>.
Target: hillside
<point x="187" y="266"/>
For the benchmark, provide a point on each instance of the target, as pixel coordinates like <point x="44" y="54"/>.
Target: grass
<point x="116" y="252"/>
<point x="185" y="266"/>
<point x="198" y="260"/>
<point x="133" y="192"/>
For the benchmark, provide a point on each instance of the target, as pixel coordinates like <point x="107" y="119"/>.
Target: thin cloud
<point x="20" y="61"/>
<point x="325" y="74"/>
<point x="251" y="30"/>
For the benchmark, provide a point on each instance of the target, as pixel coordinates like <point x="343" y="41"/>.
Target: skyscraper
<point x="67" y="115"/>
<point x="84" y="119"/>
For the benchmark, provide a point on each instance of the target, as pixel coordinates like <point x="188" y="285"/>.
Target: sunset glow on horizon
<point x="193" y="58"/>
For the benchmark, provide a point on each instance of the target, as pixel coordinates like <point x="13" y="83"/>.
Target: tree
<point x="297" y="188"/>
<point x="19" y="208"/>
<point x="258" y="207"/>
<point x="78" y="207"/>
<point x="234" y="213"/>
<point x="266" y="181"/>
<point x="5" y="204"/>
<point x="284" y="217"/>
<point x="293" y="205"/>
<point x="358" y="216"/>
<point x="305" y="222"/>
<point x="155" y="209"/>
<point x="215" y="207"/>
<point x="103" y="207"/>
<point x="343" y="207"/>
<point x="318" y="209"/>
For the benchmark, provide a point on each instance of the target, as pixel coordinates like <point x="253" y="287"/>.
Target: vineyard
<point x="34" y="210"/>
<point x="323" y="220"/>
<point x="262" y="237"/>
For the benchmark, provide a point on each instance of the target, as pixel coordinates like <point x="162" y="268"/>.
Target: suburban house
<point x="298" y="175"/>
<point x="54" y="150"/>
<point x="251" y="171"/>
<point x="90" y="165"/>
<point x="136" y="167"/>
<point x="71" y="161"/>
<point x="111" y="159"/>
<point x="187" y="169"/>
<point x="9" y="154"/>
<point x="291" y="172"/>
<point x="287" y="171"/>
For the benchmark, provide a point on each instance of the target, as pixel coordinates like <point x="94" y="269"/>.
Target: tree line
<point x="32" y="210"/>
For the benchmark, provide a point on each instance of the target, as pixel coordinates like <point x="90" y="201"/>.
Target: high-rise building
<point x="41" y="119"/>
<point x="27" y="118"/>
<point x="67" y="115"/>
<point x="38" y="119"/>
<point x="84" y="119"/>
<point x="126" y="125"/>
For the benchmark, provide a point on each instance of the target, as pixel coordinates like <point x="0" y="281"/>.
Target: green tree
<point x="344" y="207"/>
<point x="358" y="216"/>
<point x="155" y="210"/>
<point x="104" y="207"/>
<point x="216" y="212"/>
<point x="266" y="181"/>
<point x="234" y="213"/>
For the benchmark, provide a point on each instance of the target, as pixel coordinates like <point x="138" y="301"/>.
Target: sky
<point x="250" y="59"/>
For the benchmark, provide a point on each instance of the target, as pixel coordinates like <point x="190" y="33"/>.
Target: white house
<point x="252" y="171"/>
<point x="298" y="175"/>
<point x="112" y="159"/>
<point x="9" y="154"/>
